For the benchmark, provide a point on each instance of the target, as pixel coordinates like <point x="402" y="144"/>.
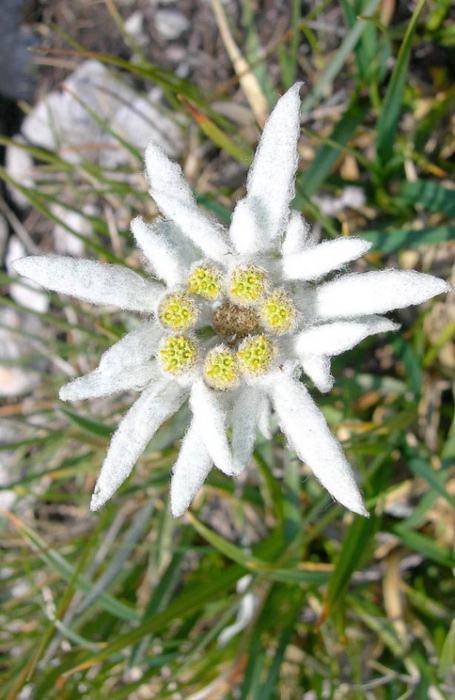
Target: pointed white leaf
<point x="97" y="383"/>
<point x="165" y="260"/>
<point x="206" y="233"/>
<point x="91" y="281"/>
<point x="318" y="369"/>
<point x="374" y="293"/>
<point x="262" y="215"/>
<point x="340" y="336"/>
<point x="211" y="420"/>
<point x="135" y="348"/>
<point x="297" y="235"/>
<point x="178" y="241"/>
<point x="306" y="428"/>
<point x="265" y="419"/>
<point x="246" y="414"/>
<point x="174" y="198"/>
<point x="165" y="176"/>
<point x="155" y="405"/>
<point x="190" y="471"/>
<point x="318" y="261"/>
<point x="122" y="367"/>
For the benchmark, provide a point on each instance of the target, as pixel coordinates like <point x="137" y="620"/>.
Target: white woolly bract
<point x="265" y="419"/>
<point x="91" y="281"/>
<point x="297" y="235"/>
<point x="374" y="293"/>
<point x="156" y="404"/>
<point x="164" y="259"/>
<point x="263" y="213"/>
<point x="318" y="369"/>
<point x="315" y="262"/>
<point x="122" y="367"/>
<point x="177" y="240"/>
<point x="97" y="383"/>
<point x="165" y="176"/>
<point x="305" y="426"/>
<point x="133" y="349"/>
<point x="210" y="419"/>
<point x="190" y="471"/>
<point x="340" y="336"/>
<point x="205" y="233"/>
<point x="246" y="414"/>
<point x="174" y="198"/>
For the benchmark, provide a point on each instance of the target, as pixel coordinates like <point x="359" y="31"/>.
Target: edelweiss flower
<point x="236" y="318"/>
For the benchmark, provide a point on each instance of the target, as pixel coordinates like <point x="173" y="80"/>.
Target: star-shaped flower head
<point x="233" y="317"/>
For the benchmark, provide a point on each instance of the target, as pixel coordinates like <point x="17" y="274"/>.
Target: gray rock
<point x="19" y="166"/>
<point x="171" y="24"/>
<point x="61" y="123"/>
<point x="17" y="380"/>
<point x="24" y="292"/>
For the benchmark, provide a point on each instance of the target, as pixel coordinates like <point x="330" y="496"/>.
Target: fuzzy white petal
<point x="210" y="418"/>
<point x="134" y="348"/>
<point x="91" y="281"/>
<point x="318" y="369"/>
<point x="297" y="235"/>
<point x="262" y="215"/>
<point x="374" y="293"/>
<point x="318" y="261"/>
<point x="178" y="241"/>
<point x="164" y="259"/>
<point x="97" y="384"/>
<point x="155" y="405"/>
<point x="190" y="471"/>
<point x="246" y="414"/>
<point x="265" y="419"/>
<point x="122" y="367"/>
<point x="340" y="336"/>
<point x="164" y="175"/>
<point x="174" y="198"/>
<point x="306" y="428"/>
<point x="206" y="233"/>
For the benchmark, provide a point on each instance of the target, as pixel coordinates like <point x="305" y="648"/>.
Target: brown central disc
<point x="232" y="322"/>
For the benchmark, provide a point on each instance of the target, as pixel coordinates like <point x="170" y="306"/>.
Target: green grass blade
<point x="426" y="546"/>
<point x="429" y="195"/>
<point x="215" y="134"/>
<point x="302" y="573"/>
<point x="66" y="571"/>
<point x="355" y="546"/>
<point x="434" y="479"/>
<point x="387" y="123"/>
<point x="339" y="61"/>
<point x="446" y="667"/>
<point x="394" y="240"/>
<point x="88" y="424"/>
<point x="327" y="154"/>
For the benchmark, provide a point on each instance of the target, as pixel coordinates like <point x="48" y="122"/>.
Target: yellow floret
<point x="178" y="354"/>
<point x="278" y="313"/>
<point x="206" y="281"/>
<point x="247" y="285"/>
<point x="256" y="355"/>
<point x="221" y="369"/>
<point x="177" y="312"/>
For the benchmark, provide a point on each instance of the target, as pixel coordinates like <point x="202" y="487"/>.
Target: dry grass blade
<point x="247" y="79"/>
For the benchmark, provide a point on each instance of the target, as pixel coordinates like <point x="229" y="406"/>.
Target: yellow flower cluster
<point x="249" y="292"/>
